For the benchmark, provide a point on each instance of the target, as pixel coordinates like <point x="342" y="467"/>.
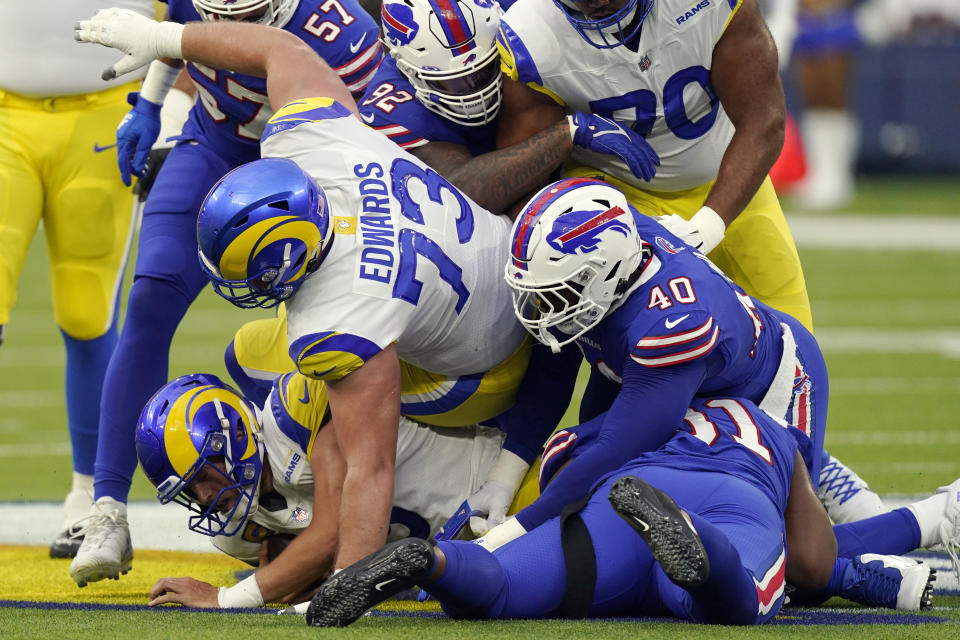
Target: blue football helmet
<point x="610" y="31"/>
<point x="197" y="422"/>
<point x="262" y="229"/>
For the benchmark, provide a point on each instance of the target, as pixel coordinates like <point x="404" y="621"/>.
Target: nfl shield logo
<point x="645" y="63"/>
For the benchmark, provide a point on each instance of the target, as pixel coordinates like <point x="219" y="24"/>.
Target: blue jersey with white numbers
<point x="390" y="106"/>
<point x="232" y="108"/>
<point x="725" y="435"/>
<point x="685" y="309"/>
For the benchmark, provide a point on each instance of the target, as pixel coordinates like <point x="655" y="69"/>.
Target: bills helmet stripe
<point x="454" y="24"/>
<point x="532" y="212"/>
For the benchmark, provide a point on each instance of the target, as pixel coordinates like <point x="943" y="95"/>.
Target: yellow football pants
<point x="58" y="164"/>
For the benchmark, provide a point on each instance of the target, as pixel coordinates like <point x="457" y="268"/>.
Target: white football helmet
<point x="275" y="13"/>
<point x="447" y="49"/>
<point x="574" y="251"/>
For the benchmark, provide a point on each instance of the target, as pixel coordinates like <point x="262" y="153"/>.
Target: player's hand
<point x="704" y="231"/>
<point x="603" y="135"/>
<point x="135" y="136"/>
<point x="493" y="499"/>
<point x="141" y="39"/>
<point x="189" y="592"/>
<point x="501" y="535"/>
<point x="173" y="115"/>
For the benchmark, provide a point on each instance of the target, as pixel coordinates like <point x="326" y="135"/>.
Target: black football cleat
<point x="368" y="582"/>
<point x="658" y="520"/>
<point x="67" y="542"/>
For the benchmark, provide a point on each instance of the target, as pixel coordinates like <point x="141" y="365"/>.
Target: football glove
<point x="176" y="108"/>
<point x="704" y="231"/>
<point x="604" y="135"/>
<point x="141" y="39"/>
<point x="135" y="136"/>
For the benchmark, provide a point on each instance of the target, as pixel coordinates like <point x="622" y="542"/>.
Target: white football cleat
<point x="950" y="525"/>
<point x="106" y="551"/>
<point x="844" y="494"/>
<point x="76" y="517"/>
<point x="893" y="582"/>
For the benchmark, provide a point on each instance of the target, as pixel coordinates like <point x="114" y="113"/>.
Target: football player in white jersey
<point x="408" y="265"/>
<point x="259" y="489"/>
<point x="699" y="82"/>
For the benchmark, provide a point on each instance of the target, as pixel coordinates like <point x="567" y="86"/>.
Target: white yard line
<point x="890" y="233"/>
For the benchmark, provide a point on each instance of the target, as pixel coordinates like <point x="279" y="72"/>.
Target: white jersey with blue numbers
<point x="436" y="469"/>
<point x="662" y="90"/>
<point x="413" y="261"/>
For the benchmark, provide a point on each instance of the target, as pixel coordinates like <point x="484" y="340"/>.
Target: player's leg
<point x="823" y="62"/>
<point x="166" y="281"/>
<point x="89" y="225"/>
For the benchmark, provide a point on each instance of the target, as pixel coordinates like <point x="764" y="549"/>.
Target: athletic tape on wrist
<point x="243" y="595"/>
<point x="711" y="226"/>
<point x="158" y="82"/>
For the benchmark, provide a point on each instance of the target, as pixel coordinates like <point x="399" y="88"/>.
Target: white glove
<point x="494" y="499"/>
<point x="496" y="493"/>
<point x="141" y="39"/>
<point x="501" y="535"/>
<point x="704" y="231"/>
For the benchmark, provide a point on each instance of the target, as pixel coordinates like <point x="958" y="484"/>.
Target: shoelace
<point x="881" y="582"/>
<point x="837" y="481"/>
<point x="98" y="529"/>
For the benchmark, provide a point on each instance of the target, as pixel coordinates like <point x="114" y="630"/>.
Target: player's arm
<point x="293" y="70"/>
<point x="744" y="75"/>
<point x="524" y="112"/>
<point x="648" y="410"/>
<point x="810" y="537"/>
<point x="365" y="406"/>
<point x="498" y="179"/>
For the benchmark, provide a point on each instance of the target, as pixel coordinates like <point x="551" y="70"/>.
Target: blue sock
<point x="472" y="585"/>
<point x="835" y="584"/>
<point x="252" y="389"/>
<point x="137" y="369"/>
<point x="893" y="533"/>
<point x="730" y="593"/>
<point x="86" y="366"/>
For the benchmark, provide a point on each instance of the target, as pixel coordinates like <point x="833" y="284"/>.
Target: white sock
<point x="82" y="482"/>
<point x="929" y="515"/>
<point x="830" y="138"/>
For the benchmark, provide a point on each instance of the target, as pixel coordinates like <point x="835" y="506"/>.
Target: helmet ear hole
<point x="241" y="222"/>
<point x="613" y="271"/>
<point x="280" y="204"/>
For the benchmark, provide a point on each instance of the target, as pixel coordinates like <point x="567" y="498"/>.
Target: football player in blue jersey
<point x="438" y="96"/>
<point x="222" y="132"/>
<point x="694" y="530"/>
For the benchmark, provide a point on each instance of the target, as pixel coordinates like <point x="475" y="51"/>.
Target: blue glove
<point x="603" y="135"/>
<point x="135" y="136"/>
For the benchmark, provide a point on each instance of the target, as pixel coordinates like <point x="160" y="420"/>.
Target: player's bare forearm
<point x="365" y="406"/>
<point x="524" y="112"/>
<point x="307" y="558"/>
<point x="745" y="77"/>
<point x="498" y="179"/>
<point x="292" y="69"/>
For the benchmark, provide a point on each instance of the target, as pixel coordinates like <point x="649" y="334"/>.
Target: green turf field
<point x="889" y="323"/>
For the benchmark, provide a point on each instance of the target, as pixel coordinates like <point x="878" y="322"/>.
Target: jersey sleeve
<point x="331" y="355"/>
<point x="300" y="112"/>
<point x="516" y="60"/>
<point x="676" y="338"/>
<point x="298" y="406"/>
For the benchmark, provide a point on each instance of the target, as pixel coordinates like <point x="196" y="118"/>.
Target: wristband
<point x="509" y="470"/>
<point x="166" y="40"/>
<point x="711" y="227"/>
<point x="158" y="81"/>
<point x="173" y="115"/>
<point x="243" y="595"/>
<point x="501" y="535"/>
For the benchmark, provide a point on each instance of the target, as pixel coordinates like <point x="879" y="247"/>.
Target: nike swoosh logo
<point x="306" y="393"/>
<point x="355" y="46"/>
<point x="379" y="586"/>
<point x="363" y="116"/>
<point x="644" y="527"/>
<point x="320" y="374"/>
<point x="97" y="148"/>
<point x="672" y="323"/>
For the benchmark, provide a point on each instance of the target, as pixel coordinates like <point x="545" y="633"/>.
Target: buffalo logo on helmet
<point x="579" y="231"/>
<point x="398" y="23"/>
